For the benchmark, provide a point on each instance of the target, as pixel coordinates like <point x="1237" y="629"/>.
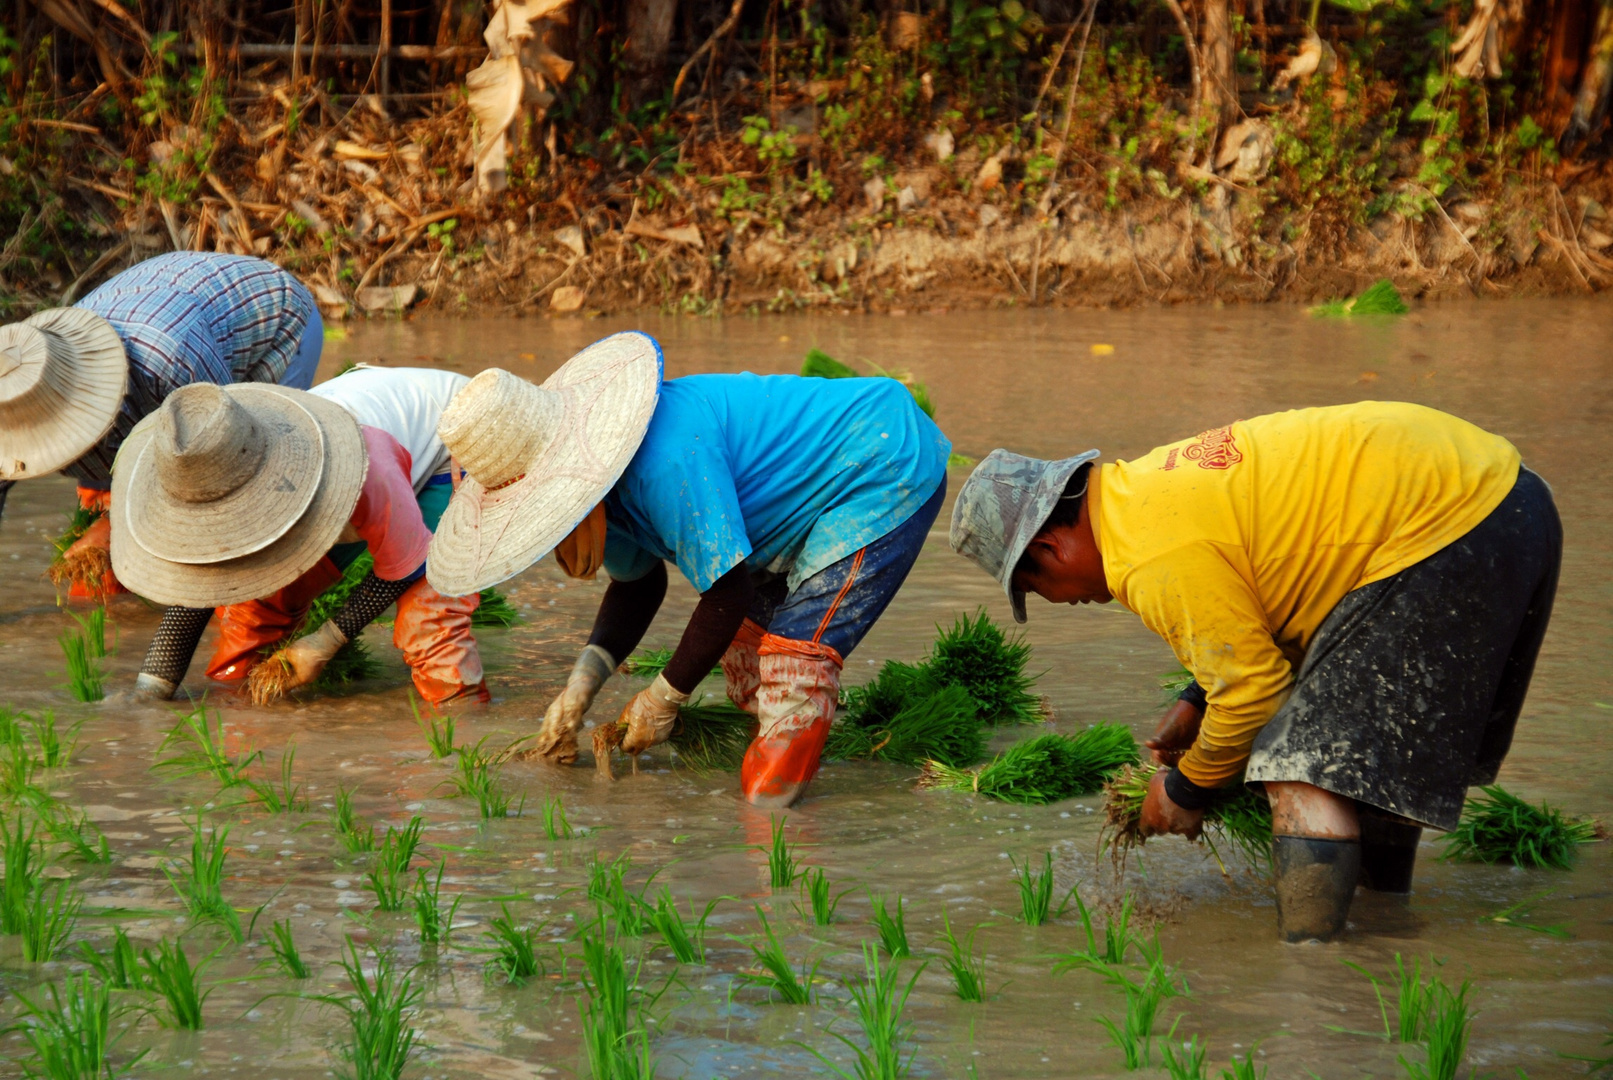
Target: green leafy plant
<point x="607" y="887"/>
<point x="355" y="834"/>
<point x="380" y="1041"/>
<point x="70" y="1033"/>
<point x="781" y="866"/>
<point x="169" y="973"/>
<point x="199" y="881"/>
<point x="49" y="919"/>
<point x="881" y="1001"/>
<point x="685" y="937"/>
<point x="514" y="948"/>
<point x="84" y="679"/>
<point x="1044" y="768"/>
<point x="23" y="857"/>
<point x="1118" y="940"/>
<point x="775" y="973"/>
<point x="1381" y="298"/>
<point x="494" y="610"/>
<point x="1036" y="891"/>
<point x="73" y="829"/>
<point x="617" y="1048"/>
<point x="976" y="655"/>
<point x="648" y="663"/>
<point x="388" y="875"/>
<point x="1411" y="1000"/>
<point x="286" y="796"/>
<point x="119" y="968"/>
<point x="708" y="738"/>
<point x="1186" y="1063"/>
<point x="434" y="922"/>
<point x="891" y="927"/>
<point x="1446" y="1021"/>
<point x="1500" y="827"/>
<point x="478" y="778"/>
<point x="198" y="743"/>
<point x="555" y="825"/>
<point x="1134" y="1034"/>
<point x="968" y="970"/>
<point x="286" y="954"/>
<point x="56" y="748"/>
<point x="1243" y="1068"/>
<point x="821" y="902"/>
<point x="942" y="724"/>
<point x="436" y="727"/>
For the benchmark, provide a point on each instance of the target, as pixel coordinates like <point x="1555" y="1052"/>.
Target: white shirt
<point x="406" y="403"/>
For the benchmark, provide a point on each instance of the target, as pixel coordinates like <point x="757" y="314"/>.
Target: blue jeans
<point x="300" y="372"/>
<point x="840" y="603"/>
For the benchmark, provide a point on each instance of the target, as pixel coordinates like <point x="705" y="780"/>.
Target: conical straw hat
<point x="63" y="374"/>
<point x="537" y="459"/>
<point x="229" y="493"/>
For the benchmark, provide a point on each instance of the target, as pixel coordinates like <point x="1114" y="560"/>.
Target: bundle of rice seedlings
<point x="494" y="610"/>
<point x="712" y="737"/>
<point x="820" y="365"/>
<point x="271" y="678"/>
<point x="1500" y="827"/>
<point x="978" y="656"/>
<point x="1381" y="298"/>
<point x="88" y="567"/>
<point x="1043" y="769"/>
<point x="648" y="663"/>
<point x="1172" y="685"/>
<point x="1239" y="817"/>
<point x="942" y="725"/>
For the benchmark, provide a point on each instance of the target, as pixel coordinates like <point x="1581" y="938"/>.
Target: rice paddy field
<point x="336" y="886"/>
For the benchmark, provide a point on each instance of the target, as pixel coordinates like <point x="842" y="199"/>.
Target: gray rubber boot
<point x="1315" y="883"/>
<point x="1388" y="853"/>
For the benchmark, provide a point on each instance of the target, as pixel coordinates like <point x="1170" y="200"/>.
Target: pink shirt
<point x="387" y="518"/>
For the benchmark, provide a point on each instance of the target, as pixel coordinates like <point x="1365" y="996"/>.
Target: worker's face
<point x="1065" y="568"/>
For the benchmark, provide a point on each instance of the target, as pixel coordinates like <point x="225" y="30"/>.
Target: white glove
<point x="308" y="655"/>
<point x="557" y="740"/>
<point x="649" y="716"/>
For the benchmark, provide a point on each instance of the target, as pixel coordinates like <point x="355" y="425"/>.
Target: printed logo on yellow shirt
<point x="1215" y="449"/>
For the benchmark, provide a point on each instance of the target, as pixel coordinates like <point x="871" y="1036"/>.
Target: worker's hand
<point x="1177" y="730"/>
<point x="1160" y="815"/>
<point x="308" y="655"/>
<point x="649" y="716"/>
<point x="97" y="536"/>
<point x="557" y="739"/>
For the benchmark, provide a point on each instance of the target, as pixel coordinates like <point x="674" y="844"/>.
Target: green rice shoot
<point x="84" y="676"/>
<point x="1043" y="768"/>
<point x="356" y="835"/>
<point x="1380" y="298"/>
<point x="495" y="611"/>
<point x="49" y="919"/>
<point x="1498" y="827"/>
<point x="438" y="728"/>
<point x="775" y="973"/>
<point x="70" y="1033"/>
<point x="712" y="738"/>
<point x="287" y="957"/>
<point x="977" y="655"/>
<point x="781" y="865"/>
<point x="891" y="925"/>
<point x="1172" y="685"/>
<point x="648" y="663"/>
<point x="967" y="967"/>
<point x="822" y="901"/>
<point x="685" y="937"/>
<point x="381" y="1041"/>
<point x="514" y="948"/>
<point x="119" y="968"/>
<point x="1119" y="941"/>
<point x="941" y="725"/>
<point x="1239" y="817"/>
<point x="881" y="1001"/>
<point x="434" y="922"/>
<point x="1446" y="1025"/>
<point x="169" y="972"/>
<point x="1036" y="891"/>
<point x="199" y="880"/>
<point x="820" y="365"/>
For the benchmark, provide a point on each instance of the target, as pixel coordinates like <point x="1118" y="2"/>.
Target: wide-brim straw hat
<point x="63" y="374"/>
<point x="537" y="459"/>
<point x="229" y="493"/>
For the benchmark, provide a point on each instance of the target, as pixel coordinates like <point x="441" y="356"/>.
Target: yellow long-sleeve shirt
<point x="1234" y="545"/>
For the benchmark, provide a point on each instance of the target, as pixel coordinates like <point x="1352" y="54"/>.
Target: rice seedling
<point x="119" y="968"/>
<point x="388" y="875"/>
<point x="1239" y="817"/>
<point x="712" y="738"/>
<point x="478" y="778"/>
<point x="436" y="727"/>
<point x="1118" y="940"/>
<point x="84" y="678"/>
<point x="434" y="923"/>
<point x="1036" y="891"/>
<point x="495" y="610"/>
<point x="284" y="798"/>
<point x="881" y="1002"/>
<point x="380" y="1039"/>
<point x="1189" y="1064"/>
<point x="648" y="663"/>
<point x="968" y="969"/>
<point x="617" y="1048"/>
<point x="1411" y="1000"/>
<point x="1521" y="915"/>
<point x="939" y="723"/>
<point x="1380" y="298"/>
<point x="607" y="887"/>
<point x="513" y="948"/>
<point x="1243" y="1068"/>
<point x="892" y="928"/>
<point x="1446" y="1022"/>
<point x="168" y="973"/>
<point x="1500" y="827"/>
<point x="286" y="954"/>
<point x="815" y="888"/>
<point x="1134" y="1034"/>
<point x="555" y="825"/>
<point x="976" y="655"/>
<point x="199" y="881"/>
<point x="685" y="937"/>
<point x="820" y="365"/>
<point x="71" y="1031"/>
<point x="88" y="566"/>
<point x="199" y="748"/>
<point x="781" y="865"/>
<point x="23" y="856"/>
<point x="355" y="834"/>
<point x="352" y="662"/>
<point x="73" y="830"/>
<point x="775" y="973"/>
<point x="1044" y="768"/>
<point x="56" y="748"/>
<point x="49" y="919"/>
<point x="17" y="768"/>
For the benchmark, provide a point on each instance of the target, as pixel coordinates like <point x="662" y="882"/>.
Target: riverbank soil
<point x="707" y="157"/>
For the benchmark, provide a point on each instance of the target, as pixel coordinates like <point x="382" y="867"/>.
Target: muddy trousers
<point x="801" y="638"/>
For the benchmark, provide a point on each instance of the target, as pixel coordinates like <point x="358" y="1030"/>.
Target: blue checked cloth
<point x="194" y="316"/>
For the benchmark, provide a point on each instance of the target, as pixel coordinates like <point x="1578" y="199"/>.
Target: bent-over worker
<point x="75" y="381"/>
<point x="795" y="507"/>
<point x="255" y="501"/>
<point x="1360" y="591"/>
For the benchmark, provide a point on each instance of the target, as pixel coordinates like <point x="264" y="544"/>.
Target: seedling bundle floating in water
<point x="1497" y="826"/>
<point x="1240" y="817"/>
<point x="1382" y="298"/>
<point x="1043" y="769"/>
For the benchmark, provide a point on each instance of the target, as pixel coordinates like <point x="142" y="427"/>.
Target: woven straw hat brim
<point x="609" y="391"/>
<point x="263" y="571"/>
<point x="55" y="427"/>
<point x="251" y="517"/>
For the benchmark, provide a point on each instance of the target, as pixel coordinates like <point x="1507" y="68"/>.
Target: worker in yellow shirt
<point x="1359" y="591"/>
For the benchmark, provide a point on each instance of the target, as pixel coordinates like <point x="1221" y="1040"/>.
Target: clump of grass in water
<point x="776" y="974"/>
<point x="435" y="923"/>
<point x="1044" y="768"/>
<point x="49" y="917"/>
<point x="355" y="834"/>
<point x="1134" y="1035"/>
<point x="1036" y="891"/>
<point x="119" y="967"/>
<point x="380" y="1038"/>
<point x="478" y="778"/>
<point x="84" y="680"/>
<point x="816" y="889"/>
<point x="73" y="830"/>
<point x="23" y="857"/>
<point x="388" y="876"/>
<point x="1380" y="298"/>
<point x="881" y="1002"/>
<point x="1118" y="940"/>
<point x="200" y="882"/>
<point x="968" y="969"/>
<point x="1500" y="827"/>
<point x="1243" y="1068"/>
<point x="286" y="954"/>
<point x="1240" y="817"/>
<point x="284" y="798"/>
<point x="56" y="748"/>
<point x="1446" y="1021"/>
<point x="617" y="1049"/>
<point x="71" y="1032"/>
<point x="514" y="948"/>
<point x="685" y="937"/>
<point x="933" y="723"/>
<point x="711" y="738"/>
<point x="169" y="973"/>
<point x="199" y="743"/>
<point x="607" y="887"/>
<point x="436" y="727"/>
<point x="1411" y="1000"/>
<point x="555" y="825"/>
<point x="976" y="655"/>
<point x="891" y="927"/>
<point x="781" y="865"/>
<point x="1189" y="1065"/>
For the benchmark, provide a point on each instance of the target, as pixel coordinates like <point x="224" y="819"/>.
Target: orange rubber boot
<point x="246" y="629"/>
<point x="94" y="548"/>
<point x="741" y="667"/>
<point x="800" y="687"/>
<point x="433" y="632"/>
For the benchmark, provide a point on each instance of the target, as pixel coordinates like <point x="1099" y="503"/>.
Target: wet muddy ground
<point x="1541" y="373"/>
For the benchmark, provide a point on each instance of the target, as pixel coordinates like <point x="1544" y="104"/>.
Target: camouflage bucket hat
<point x="1002" y="505"/>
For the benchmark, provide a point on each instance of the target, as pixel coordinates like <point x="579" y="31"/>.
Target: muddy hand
<point x="1177" y="730"/>
<point x="648" y="717"/>
<point x="557" y="739"/>
<point x="1160" y="815"/>
<point x="308" y="655"/>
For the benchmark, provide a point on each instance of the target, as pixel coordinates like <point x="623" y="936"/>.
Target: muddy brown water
<point x="1541" y="373"/>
